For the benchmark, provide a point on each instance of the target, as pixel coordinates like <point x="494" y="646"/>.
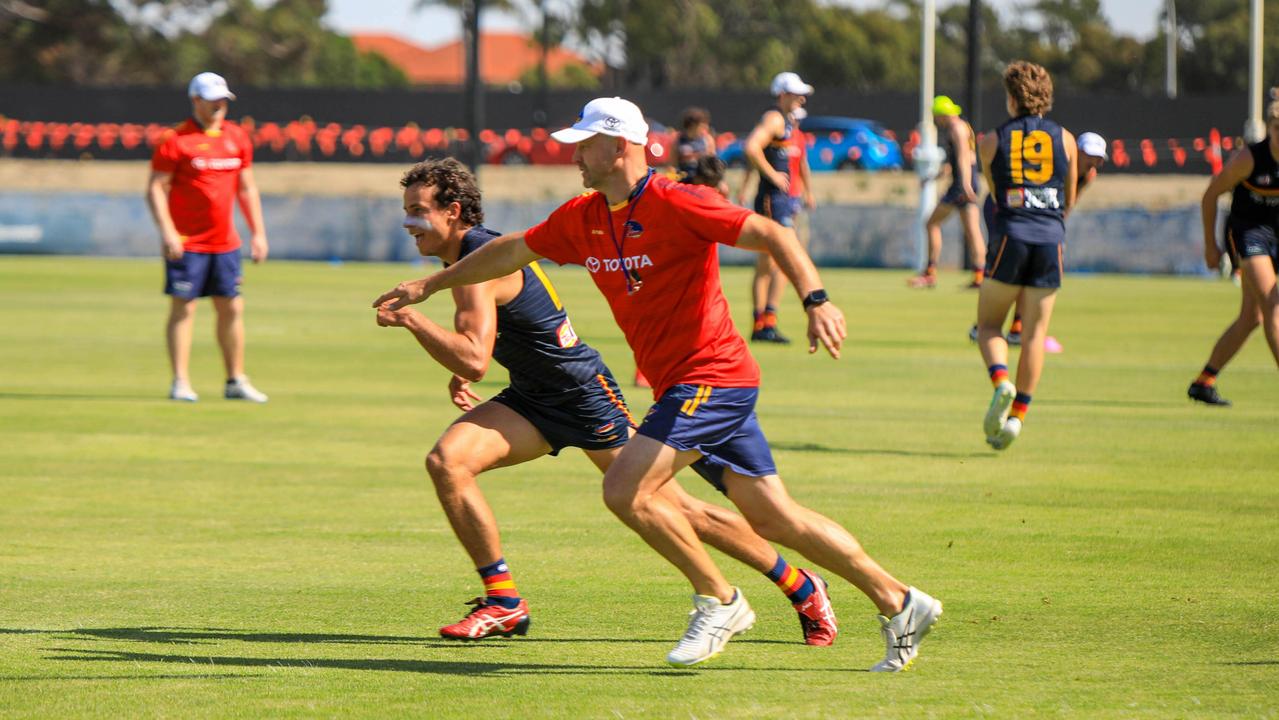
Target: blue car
<point x="838" y="143"/>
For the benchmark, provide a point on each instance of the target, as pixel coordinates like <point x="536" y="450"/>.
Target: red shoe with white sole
<point x="489" y="620"/>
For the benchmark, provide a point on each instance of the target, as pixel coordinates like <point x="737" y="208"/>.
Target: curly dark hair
<point x="453" y="183"/>
<point x="1030" y="86"/>
<point x="710" y="171"/>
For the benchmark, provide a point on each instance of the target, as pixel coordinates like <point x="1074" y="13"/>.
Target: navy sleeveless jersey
<point x="1029" y="170"/>
<point x="952" y="155"/>
<point x="777" y="154"/>
<point x="535" y="341"/>
<point x="1256" y="199"/>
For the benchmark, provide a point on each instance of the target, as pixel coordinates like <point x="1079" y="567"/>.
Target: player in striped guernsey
<point x="1252" y="176"/>
<point x="561" y="395"/>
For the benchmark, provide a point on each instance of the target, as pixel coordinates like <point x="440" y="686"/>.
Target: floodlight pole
<point x="1254" y="130"/>
<point x="1170" y="51"/>
<point x="926" y="154"/>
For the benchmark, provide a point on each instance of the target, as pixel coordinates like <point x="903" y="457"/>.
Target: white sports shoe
<point x="904" y="632"/>
<point x="241" y="389"/>
<point x="1000" y="403"/>
<point x="710" y="625"/>
<point x="1006" y="434"/>
<point x="182" y="392"/>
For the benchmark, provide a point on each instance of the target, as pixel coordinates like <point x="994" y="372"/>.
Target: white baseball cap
<point x="210" y="86"/>
<point x="607" y="116"/>
<point x="789" y="82"/>
<point x="1090" y="143"/>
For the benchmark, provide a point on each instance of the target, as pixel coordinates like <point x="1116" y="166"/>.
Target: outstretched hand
<point x="826" y="326"/>
<point x="461" y="395"/>
<point x="406" y="293"/>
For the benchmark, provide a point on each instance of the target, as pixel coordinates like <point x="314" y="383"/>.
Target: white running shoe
<point x="241" y="389"/>
<point x="711" y="624"/>
<point x="904" y="632"/>
<point x="182" y="392"/>
<point x="997" y="413"/>
<point x="1006" y="434"/>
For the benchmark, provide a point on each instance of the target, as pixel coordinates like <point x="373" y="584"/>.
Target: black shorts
<point x="593" y="416"/>
<point x="1017" y="262"/>
<point x="955" y="193"/>
<point x="1246" y="240"/>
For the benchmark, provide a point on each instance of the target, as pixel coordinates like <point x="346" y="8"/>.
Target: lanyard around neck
<point x="633" y="280"/>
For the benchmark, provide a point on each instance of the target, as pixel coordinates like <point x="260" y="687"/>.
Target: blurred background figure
<point x="198" y="173"/>
<point x="959" y="142"/>
<point x="768" y="150"/>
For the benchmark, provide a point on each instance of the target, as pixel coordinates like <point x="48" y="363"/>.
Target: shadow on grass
<point x="1254" y="662"/>
<point x="208" y="636"/>
<point x="814" y="447"/>
<point x="433" y="667"/>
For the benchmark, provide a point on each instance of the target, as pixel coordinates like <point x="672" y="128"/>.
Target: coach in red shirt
<point x="198" y="172"/>
<point x="651" y="247"/>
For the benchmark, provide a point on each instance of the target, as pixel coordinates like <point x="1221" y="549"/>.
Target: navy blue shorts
<point x="197" y="274"/>
<point x="719" y="423"/>
<point x="592" y="417"/>
<point x="778" y="206"/>
<point x="955" y="193"/>
<point x="990" y="213"/>
<point x="1018" y="262"/>
<point x="1247" y="240"/>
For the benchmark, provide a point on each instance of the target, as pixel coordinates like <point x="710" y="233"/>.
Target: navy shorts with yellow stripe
<point x="717" y="422"/>
<point x="1028" y="264"/>
<point x="593" y="416"/>
<point x="1249" y="240"/>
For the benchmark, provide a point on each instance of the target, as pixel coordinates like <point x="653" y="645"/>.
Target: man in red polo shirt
<point x="198" y="172"/>
<point x="650" y="245"/>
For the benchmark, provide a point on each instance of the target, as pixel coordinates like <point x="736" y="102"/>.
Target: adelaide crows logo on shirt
<point x="633" y="229"/>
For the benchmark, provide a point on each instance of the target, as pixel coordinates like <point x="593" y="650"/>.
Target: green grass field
<point x="289" y="560"/>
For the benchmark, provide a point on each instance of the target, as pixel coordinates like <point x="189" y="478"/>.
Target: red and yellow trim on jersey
<point x="546" y="283"/>
<point x="690" y="405"/>
<point x="999" y="255"/>
<point x="791" y="582"/>
<point x="615" y="400"/>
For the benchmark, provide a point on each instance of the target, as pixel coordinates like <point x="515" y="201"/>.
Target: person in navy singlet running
<point x="561" y="395"/>
<point x="1252" y="176"/>
<point x="768" y="149"/>
<point x="1031" y="166"/>
<point x="650" y="246"/>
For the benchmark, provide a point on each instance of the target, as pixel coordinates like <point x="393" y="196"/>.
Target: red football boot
<point x="485" y="620"/>
<point x="816" y="616"/>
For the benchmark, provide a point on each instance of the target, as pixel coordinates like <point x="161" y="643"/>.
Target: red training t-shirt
<point x="678" y="323"/>
<point x="206" y="169"/>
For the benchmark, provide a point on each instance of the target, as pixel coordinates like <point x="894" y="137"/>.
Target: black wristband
<point x="815" y="298"/>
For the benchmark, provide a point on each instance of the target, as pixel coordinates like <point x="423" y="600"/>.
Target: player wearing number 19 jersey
<point x="1031" y="166"/>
